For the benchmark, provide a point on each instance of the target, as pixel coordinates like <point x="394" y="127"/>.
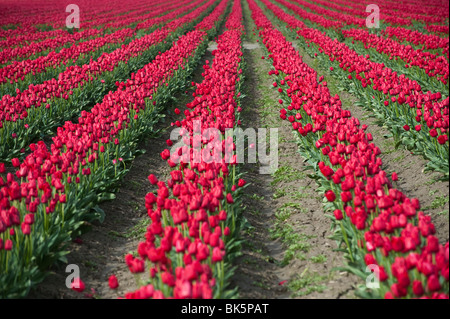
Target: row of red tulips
<point x="123" y="13"/>
<point x="51" y="62"/>
<point x="397" y="99"/>
<point x="357" y="17"/>
<point x="338" y="17"/>
<point x="438" y="29"/>
<point x="417" y="70"/>
<point x="129" y="17"/>
<point x="55" y="189"/>
<point x="351" y="18"/>
<point x="188" y="243"/>
<point x="19" y="20"/>
<point x="37" y="110"/>
<point x="315" y="18"/>
<point x="17" y="40"/>
<point x="341" y="6"/>
<point x="379" y="224"/>
<point x="319" y="13"/>
<point x="357" y="11"/>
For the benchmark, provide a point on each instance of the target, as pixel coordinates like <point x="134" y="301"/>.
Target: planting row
<point x="396" y="14"/>
<point x="194" y="222"/>
<point x="20" y="53"/>
<point x="28" y="45"/>
<point x="29" y="18"/>
<point x="434" y="66"/>
<point x="328" y="18"/>
<point x="428" y="41"/>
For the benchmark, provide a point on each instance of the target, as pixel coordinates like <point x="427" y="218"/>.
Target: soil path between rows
<point x="287" y="253"/>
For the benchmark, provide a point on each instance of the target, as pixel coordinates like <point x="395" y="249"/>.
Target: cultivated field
<point x="216" y="149"/>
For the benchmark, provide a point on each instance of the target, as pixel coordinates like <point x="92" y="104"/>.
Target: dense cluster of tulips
<point x="19" y="69"/>
<point x="380" y="225"/>
<point x="309" y="16"/>
<point x="340" y="15"/>
<point x="146" y="12"/>
<point x="401" y="34"/>
<point x="390" y="12"/>
<point x="434" y="65"/>
<point x="427" y="41"/>
<point x="397" y="99"/>
<point x="22" y="52"/>
<point x="338" y="6"/>
<point x="55" y="62"/>
<point x="432" y="62"/>
<point x="438" y="29"/>
<point x="33" y="18"/>
<point x="193" y="215"/>
<point x="54" y="189"/>
<point x="92" y="94"/>
<point x="330" y="16"/>
<point x="42" y="107"/>
<point x="23" y="39"/>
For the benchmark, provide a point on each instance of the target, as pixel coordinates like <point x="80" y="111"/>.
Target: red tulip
<point x="442" y="139"/>
<point x="113" y="282"/>
<point x="418" y="288"/>
<point x="433" y="283"/>
<point x="8" y="244"/>
<point x="394" y="176"/>
<point x="15" y="162"/>
<point x="78" y="285"/>
<point x="330" y="196"/>
<point x="338" y="214"/>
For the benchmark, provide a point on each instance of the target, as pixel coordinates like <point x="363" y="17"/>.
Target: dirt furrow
<point x="287" y="253"/>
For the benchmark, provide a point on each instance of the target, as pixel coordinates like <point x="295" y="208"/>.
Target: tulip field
<point x="94" y="177"/>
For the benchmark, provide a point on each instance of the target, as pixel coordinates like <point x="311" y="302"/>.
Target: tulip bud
<point x="330" y="195"/>
<point x="78" y="285"/>
<point x="394" y="176"/>
<point x="112" y="282"/>
<point x="338" y="214"/>
<point x="418" y="288"/>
